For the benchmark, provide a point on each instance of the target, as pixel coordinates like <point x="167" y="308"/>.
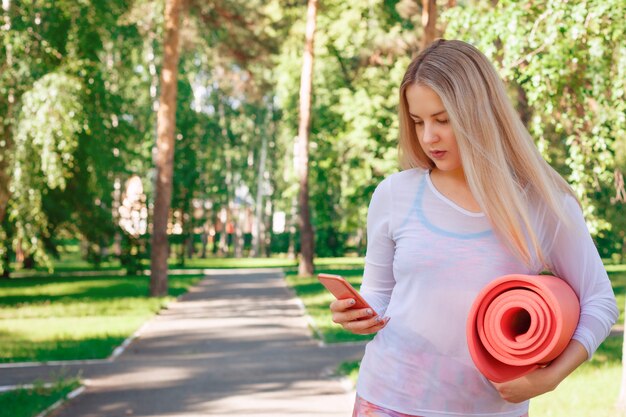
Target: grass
<point x="618" y="280"/>
<point x="289" y="265"/>
<point x="591" y="390"/>
<point x="72" y="262"/>
<point x="27" y="402"/>
<point x="236" y="263"/>
<point x="52" y="318"/>
<point x="316" y="299"/>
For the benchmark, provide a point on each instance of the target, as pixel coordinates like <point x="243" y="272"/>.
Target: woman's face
<point x="433" y="128"/>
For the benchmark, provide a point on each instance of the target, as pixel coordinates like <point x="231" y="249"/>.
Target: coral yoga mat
<point x="519" y="323"/>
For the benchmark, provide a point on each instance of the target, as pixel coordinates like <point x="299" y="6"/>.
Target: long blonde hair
<point x="502" y="165"/>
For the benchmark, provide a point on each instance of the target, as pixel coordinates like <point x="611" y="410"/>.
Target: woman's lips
<point x="437" y="154"/>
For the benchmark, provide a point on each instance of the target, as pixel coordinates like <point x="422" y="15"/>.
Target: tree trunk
<point x="238" y="239"/>
<point x="5" y="258"/>
<point x="224" y="244"/>
<point x="258" y="230"/>
<point x="304" y="129"/>
<point x="224" y="247"/>
<point x="6" y="263"/>
<point x="164" y="160"/>
<point x="429" y="21"/>
<point x="191" y="237"/>
<point x="293" y="219"/>
<point x="204" y="237"/>
<point x="523" y="108"/>
<point x="266" y="243"/>
<point x="183" y="238"/>
<point x="205" y="242"/>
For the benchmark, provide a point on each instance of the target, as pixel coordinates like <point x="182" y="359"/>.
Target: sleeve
<point x="574" y="258"/>
<point x="378" y="279"/>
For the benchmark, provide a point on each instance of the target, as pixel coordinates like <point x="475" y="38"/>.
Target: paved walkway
<point x="237" y="344"/>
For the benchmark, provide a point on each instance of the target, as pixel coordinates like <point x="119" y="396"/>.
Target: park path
<point x="238" y="344"/>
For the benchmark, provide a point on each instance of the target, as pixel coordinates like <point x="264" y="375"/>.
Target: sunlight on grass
<point x="275" y="262"/>
<point x="591" y="390"/>
<point x="44" y="319"/>
<point x="588" y="392"/>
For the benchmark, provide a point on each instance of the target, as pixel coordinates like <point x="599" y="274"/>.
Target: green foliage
<point x="46" y="137"/>
<point x="569" y="60"/>
<point x="61" y="123"/>
<point x="361" y="52"/>
<point x="79" y="89"/>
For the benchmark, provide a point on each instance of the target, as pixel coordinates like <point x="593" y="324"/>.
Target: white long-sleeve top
<point x="427" y="259"/>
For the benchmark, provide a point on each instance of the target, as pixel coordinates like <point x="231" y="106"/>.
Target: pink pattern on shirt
<point x="363" y="408"/>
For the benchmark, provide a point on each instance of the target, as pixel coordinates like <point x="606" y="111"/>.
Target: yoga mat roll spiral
<point x="519" y="323"/>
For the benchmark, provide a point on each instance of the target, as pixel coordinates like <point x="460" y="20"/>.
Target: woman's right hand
<point x="357" y="321"/>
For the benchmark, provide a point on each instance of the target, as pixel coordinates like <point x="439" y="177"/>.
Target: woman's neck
<point x="453" y="185"/>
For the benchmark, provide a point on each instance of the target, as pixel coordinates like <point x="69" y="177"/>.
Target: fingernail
<point x="369" y="312"/>
<point x="379" y="319"/>
<point x="352" y="302"/>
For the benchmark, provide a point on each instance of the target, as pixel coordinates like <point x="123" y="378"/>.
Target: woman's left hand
<point x="544" y="379"/>
<point x="524" y="388"/>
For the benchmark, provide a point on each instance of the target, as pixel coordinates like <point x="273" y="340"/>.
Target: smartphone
<point x="342" y="289"/>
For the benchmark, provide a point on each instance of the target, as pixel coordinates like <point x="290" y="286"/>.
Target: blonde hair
<point x="501" y="163"/>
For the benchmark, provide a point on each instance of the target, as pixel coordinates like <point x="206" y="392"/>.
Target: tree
<point x="304" y="129"/>
<point x="164" y="158"/>
<point x="568" y="60"/>
<point x="59" y="122"/>
<point x="429" y="21"/>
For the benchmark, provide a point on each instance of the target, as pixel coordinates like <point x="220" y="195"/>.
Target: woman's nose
<point x="430" y="134"/>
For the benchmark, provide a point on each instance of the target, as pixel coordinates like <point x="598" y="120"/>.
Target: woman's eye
<point x="443" y="122"/>
<point x="418" y="122"/>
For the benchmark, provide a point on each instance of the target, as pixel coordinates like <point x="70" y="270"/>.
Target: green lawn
<point x="56" y="318"/>
<point x="617" y="273"/>
<point x="72" y="261"/>
<point x="290" y="265"/>
<point x="28" y="402"/>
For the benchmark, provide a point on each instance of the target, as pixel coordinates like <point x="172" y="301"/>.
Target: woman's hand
<point x="357" y="321"/>
<point x="544" y="379"/>
<point x="521" y="389"/>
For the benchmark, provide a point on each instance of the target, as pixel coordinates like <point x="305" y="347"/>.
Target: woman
<point x="476" y="201"/>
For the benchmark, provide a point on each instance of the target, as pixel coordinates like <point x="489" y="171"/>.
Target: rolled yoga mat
<point x="519" y="323"/>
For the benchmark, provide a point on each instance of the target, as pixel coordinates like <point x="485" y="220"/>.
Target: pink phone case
<point x="342" y="289"/>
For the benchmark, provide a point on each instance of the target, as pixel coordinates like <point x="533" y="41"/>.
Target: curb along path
<point x="237" y="344"/>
